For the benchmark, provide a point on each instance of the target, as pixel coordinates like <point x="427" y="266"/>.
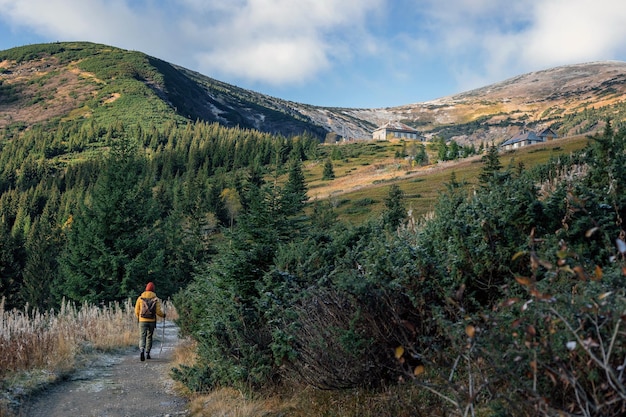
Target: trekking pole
<point x="163" y="334"/>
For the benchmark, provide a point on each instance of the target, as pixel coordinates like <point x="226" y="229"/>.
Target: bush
<point x="505" y="303"/>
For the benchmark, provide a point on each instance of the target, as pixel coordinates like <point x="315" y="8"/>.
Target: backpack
<point x="148" y="308"/>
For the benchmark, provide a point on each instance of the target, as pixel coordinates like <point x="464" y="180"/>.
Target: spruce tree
<point x="329" y="172"/>
<point x="43" y="246"/>
<point x="442" y="149"/>
<point x="113" y="245"/>
<point x="11" y="264"/>
<point x="491" y="167"/>
<point x="421" y="157"/>
<point x="295" y="189"/>
<point x="41" y="265"/>
<point x="395" y="211"/>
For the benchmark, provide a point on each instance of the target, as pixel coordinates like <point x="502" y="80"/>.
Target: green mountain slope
<point x="79" y="80"/>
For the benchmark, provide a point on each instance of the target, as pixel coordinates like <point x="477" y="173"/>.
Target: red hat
<point x="150" y="286"/>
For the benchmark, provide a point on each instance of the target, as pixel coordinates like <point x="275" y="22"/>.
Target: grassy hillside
<point x="362" y="181"/>
<point x="81" y="80"/>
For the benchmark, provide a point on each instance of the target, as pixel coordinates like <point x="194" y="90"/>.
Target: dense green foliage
<point x="97" y="229"/>
<point x="509" y="295"/>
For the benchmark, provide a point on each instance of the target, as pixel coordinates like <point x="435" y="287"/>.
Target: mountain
<point x="74" y="80"/>
<point x="552" y="97"/>
<point x="78" y="80"/>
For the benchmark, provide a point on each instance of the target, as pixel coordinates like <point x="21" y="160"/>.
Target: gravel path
<point x="115" y="385"/>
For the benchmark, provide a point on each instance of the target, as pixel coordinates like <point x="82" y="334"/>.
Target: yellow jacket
<point x="159" y="311"/>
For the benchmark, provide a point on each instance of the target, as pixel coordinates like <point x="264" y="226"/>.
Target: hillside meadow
<point x="362" y="182"/>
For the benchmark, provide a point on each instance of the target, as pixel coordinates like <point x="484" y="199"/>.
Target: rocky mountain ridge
<point x="80" y="79"/>
<point x="537" y="99"/>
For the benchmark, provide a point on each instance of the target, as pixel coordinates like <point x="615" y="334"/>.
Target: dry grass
<point x="38" y="348"/>
<point x="61" y="91"/>
<point x="300" y="401"/>
<point x="230" y="402"/>
<point x="30" y="339"/>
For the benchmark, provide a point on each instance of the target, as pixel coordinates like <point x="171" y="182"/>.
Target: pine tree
<point x="491" y="168"/>
<point x="421" y="157"/>
<point x="329" y="172"/>
<point x="113" y="246"/>
<point x="295" y="189"/>
<point x="41" y="265"/>
<point x="12" y="257"/>
<point x="43" y="246"/>
<point x="442" y="149"/>
<point x="395" y="211"/>
<point x="454" y="150"/>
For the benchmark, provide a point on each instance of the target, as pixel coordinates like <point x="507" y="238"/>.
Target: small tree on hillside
<point x="421" y="157"/>
<point x="295" y="189"/>
<point x="329" y="172"/>
<point x="491" y="167"/>
<point x="395" y="211"/>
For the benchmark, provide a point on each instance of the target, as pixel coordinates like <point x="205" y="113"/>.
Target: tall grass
<point x="52" y="340"/>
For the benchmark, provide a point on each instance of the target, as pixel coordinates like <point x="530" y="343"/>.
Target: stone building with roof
<point x="396" y="130"/>
<point x="547" y="134"/>
<point x="528" y="137"/>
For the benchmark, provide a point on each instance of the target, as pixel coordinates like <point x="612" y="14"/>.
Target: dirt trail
<point x="115" y="385"/>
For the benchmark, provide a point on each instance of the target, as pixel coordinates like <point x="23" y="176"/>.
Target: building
<point x="395" y="130"/>
<point x="547" y="134"/>
<point x="525" y="138"/>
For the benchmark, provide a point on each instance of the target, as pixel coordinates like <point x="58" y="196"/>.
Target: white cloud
<point x="571" y="31"/>
<point x="115" y="22"/>
<point x="272" y="41"/>
<point x="279" y="41"/>
<point x="293" y="42"/>
<point x="65" y="18"/>
<point x="484" y="41"/>
<point x="275" y="61"/>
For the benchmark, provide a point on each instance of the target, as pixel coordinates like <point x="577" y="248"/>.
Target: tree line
<point x="88" y="227"/>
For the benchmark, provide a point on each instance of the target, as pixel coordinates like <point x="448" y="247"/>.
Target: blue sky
<point x="344" y="53"/>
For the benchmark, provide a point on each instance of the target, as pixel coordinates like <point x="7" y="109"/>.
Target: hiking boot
<point x="148" y="355"/>
<point x="142" y="357"/>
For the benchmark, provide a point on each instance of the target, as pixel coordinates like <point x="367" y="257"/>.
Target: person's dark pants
<point x="146" y="329"/>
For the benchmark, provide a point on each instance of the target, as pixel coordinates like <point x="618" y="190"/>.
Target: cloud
<point x="116" y="22"/>
<point x="484" y="41"/>
<point x="267" y="41"/>
<point x="274" y="61"/>
<point x="571" y="31"/>
<point x="280" y="41"/>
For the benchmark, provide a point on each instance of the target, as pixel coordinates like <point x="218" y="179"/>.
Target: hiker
<point x="147" y="308"/>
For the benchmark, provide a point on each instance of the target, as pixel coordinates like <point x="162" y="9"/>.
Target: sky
<point x="338" y="53"/>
